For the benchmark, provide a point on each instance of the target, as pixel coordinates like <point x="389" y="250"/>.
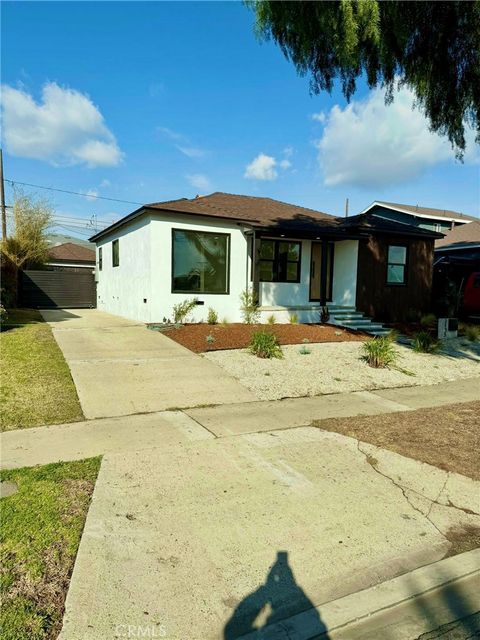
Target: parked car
<point x="471" y="295"/>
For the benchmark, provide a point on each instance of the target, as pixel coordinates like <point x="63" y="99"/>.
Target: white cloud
<point x="91" y="194"/>
<point x="319" y="117"/>
<point x="105" y="183"/>
<point x="64" y="127"/>
<point x="191" y="152"/>
<point x="370" y="144"/>
<point x="170" y="133"/>
<point x="285" y="164"/>
<point x="262" y="168"/>
<point x="199" y="181"/>
<point x="288" y="152"/>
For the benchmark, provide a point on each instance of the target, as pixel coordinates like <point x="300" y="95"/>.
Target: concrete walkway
<point x="121" y="368"/>
<point x="202" y="539"/>
<point x="74" y="441"/>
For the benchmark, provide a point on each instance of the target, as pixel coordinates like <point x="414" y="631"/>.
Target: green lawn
<point x="36" y="385"/>
<point x="41" y="529"/>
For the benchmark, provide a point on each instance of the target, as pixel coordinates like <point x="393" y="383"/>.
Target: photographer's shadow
<point x="277" y="599"/>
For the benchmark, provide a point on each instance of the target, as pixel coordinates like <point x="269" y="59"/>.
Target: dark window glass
<point x="115" y="253"/>
<point x="279" y="261"/>
<point x="100" y="259"/>
<point x="200" y="262"/>
<point x="396" y="267"/>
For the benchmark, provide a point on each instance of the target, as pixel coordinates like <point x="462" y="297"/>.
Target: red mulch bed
<point x="237" y="335"/>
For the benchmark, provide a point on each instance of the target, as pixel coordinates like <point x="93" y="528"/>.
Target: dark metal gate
<point x="64" y="289"/>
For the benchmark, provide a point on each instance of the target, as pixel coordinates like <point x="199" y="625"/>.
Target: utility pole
<point x="2" y="198"/>
<point x="346" y="208"/>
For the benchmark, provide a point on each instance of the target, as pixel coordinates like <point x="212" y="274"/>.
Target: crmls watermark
<point x="140" y="631"/>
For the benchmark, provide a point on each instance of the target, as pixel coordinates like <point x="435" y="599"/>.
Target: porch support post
<point x="256" y="265"/>
<point x="323" y="273"/>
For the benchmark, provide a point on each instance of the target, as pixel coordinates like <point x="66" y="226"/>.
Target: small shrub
<point x="249" y="306"/>
<point x="225" y="321"/>
<point x="424" y="342"/>
<point x="293" y="318"/>
<point x="324" y="315"/>
<point x="210" y="339"/>
<point x="264" y="344"/>
<point x="212" y="316"/>
<point x="428" y="321"/>
<point x="271" y="319"/>
<point x="306" y="341"/>
<point x="379" y="353"/>
<point x="304" y="351"/>
<point x="182" y="309"/>
<point x="338" y="333"/>
<point x="3" y="312"/>
<point x="472" y="333"/>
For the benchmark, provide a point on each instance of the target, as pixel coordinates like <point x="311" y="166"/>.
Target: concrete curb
<point x="350" y="616"/>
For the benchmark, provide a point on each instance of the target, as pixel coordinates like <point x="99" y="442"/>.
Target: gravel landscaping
<point x="333" y="368"/>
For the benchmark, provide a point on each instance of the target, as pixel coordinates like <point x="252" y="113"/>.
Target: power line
<point x="74" y="193"/>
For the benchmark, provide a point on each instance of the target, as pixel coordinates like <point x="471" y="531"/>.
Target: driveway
<point x="210" y="539"/>
<point x="120" y="367"/>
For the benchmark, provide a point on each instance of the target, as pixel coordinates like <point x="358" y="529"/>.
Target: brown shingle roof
<point x="462" y="234"/>
<point x="70" y="252"/>
<point x="246" y="208"/>
<point x="427" y="211"/>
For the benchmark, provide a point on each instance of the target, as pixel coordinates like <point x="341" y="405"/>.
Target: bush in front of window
<point x="264" y="344"/>
<point x="212" y="316"/>
<point x="182" y="309"/>
<point x="249" y="306"/>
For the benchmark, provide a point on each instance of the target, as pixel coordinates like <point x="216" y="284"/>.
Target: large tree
<point x="431" y="47"/>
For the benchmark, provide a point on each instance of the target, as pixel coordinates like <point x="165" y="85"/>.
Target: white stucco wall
<point x="345" y="273"/>
<point x="121" y="290"/>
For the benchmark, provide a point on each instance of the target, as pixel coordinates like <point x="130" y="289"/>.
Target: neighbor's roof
<point x="425" y="212"/>
<point x="267" y="214"/>
<point x="70" y="252"/>
<point x="461" y="236"/>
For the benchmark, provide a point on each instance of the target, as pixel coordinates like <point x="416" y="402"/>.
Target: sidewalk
<point x="79" y="440"/>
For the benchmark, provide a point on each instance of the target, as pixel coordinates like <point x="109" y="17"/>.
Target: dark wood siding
<point x="64" y="289"/>
<point x="394" y="303"/>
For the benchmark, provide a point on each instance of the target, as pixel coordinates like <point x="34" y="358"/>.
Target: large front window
<point x="200" y="262"/>
<point x="279" y="261"/>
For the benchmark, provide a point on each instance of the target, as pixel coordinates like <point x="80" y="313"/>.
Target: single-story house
<point x="440" y="220"/>
<point x="297" y="260"/>
<point x="72" y="257"/>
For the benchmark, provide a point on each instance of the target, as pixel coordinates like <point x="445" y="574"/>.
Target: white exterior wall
<point x="226" y="305"/>
<point x="121" y="290"/>
<point x="345" y="262"/>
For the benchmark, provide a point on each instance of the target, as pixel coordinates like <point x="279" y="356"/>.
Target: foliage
<point x="293" y="318"/>
<point x="210" y="339"/>
<point x="26" y="245"/>
<point x="271" y="319"/>
<point x="41" y="528"/>
<point x="182" y="309"/>
<point x="225" y="321"/>
<point x="428" y="321"/>
<point x="430" y="47"/>
<point x="379" y="352"/>
<point x="212" y="317"/>
<point x="324" y="315"/>
<point x="304" y="351"/>
<point x="425" y="342"/>
<point x="249" y="306"/>
<point x="264" y="344"/>
<point x="472" y="333"/>
<point x="3" y="312"/>
<point x="36" y="386"/>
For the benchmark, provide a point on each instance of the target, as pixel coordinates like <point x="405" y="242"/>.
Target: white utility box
<point x="447" y="328"/>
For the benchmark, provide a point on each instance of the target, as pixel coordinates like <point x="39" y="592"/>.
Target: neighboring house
<point x="440" y="220"/>
<point x="71" y="257"/>
<point x="298" y="260"/>
<point x="457" y="257"/>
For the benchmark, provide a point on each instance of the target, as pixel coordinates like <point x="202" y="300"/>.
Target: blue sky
<point x="149" y="101"/>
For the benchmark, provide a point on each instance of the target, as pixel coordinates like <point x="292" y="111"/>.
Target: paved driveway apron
<point x="121" y="368"/>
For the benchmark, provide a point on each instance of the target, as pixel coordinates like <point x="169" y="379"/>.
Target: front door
<point x="316" y="272"/>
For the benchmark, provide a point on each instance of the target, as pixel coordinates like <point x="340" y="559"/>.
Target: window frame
<point x="398" y="264"/>
<point x="275" y="260"/>
<point x="100" y="258"/>
<point x="227" y="263"/>
<point x="116" y="243"/>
